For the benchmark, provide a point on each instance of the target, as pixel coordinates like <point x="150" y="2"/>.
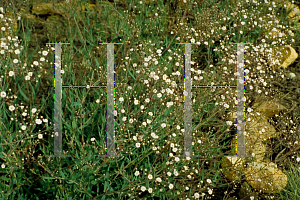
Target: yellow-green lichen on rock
<point x="265" y="176"/>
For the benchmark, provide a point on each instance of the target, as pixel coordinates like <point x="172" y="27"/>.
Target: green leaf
<point x="48" y="177"/>
<point x="22" y="93"/>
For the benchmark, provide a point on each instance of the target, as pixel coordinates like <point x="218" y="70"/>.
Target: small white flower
<point x="192" y="40"/>
<point x="42" y="59"/>
<point x="136" y="102"/>
<point x="38" y="121"/>
<point x="45" y="120"/>
<point x="3" y="94"/>
<point x="3" y="28"/>
<point x="298" y="159"/>
<point x="150" y="176"/>
<point x="208" y="180"/>
<point x="36" y="63"/>
<point x="11" y="108"/>
<point x="159" y="95"/>
<point x="150" y="190"/>
<point x="171" y="186"/>
<point x="40" y="136"/>
<point x="11" y="73"/>
<point x="163" y="125"/>
<point x="210" y="191"/>
<point x="27" y="78"/>
<point x="98" y="101"/>
<point x="121" y="99"/>
<point x="15" y="61"/>
<point x="158" y="51"/>
<point x="3" y="166"/>
<point x="33" y="110"/>
<point x="92" y="139"/>
<point x="138" y="145"/>
<point x="143" y="188"/>
<point x="23" y="127"/>
<point x="136" y="173"/>
<point x="158" y="179"/>
<point x="17" y="51"/>
<point x="196" y="195"/>
<point x="45" y="53"/>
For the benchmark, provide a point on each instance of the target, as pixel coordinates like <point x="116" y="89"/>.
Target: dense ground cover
<point x="149" y="100"/>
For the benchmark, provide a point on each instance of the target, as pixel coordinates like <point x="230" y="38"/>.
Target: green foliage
<point x="26" y="172"/>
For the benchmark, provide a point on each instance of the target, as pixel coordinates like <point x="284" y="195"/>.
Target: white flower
<point x="36" y="63"/>
<point x="124" y="119"/>
<point x="15" y="61"/>
<point x="158" y="51"/>
<point x="150" y="190"/>
<point x="42" y="59"/>
<point x="11" y="108"/>
<point x="210" y="191"/>
<point x="3" y="94"/>
<point x="136" y="173"/>
<point x="40" y="136"/>
<point x="3" y="28"/>
<point x="208" y="180"/>
<point x="171" y="186"/>
<point x="136" y="102"/>
<point x="229" y="123"/>
<point x="163" y="125"/>
<point x="143" y="188"/>
<point x="137" y="145"/>
<point x="3" y="166"/>
<point x="150" y="176"/>
<point x="45" y="53"/>
<point x="17" y="51"/>
<point x="192" y="40"/>
<point x="121" y="99"/>
<point x="177" y="159"/>
<point x="98" y="101"/>
<point x="11" y="73"/>
<point x="196" y="195"/>
<point x="45" y="120"/>
<point x="158" y="179"/>
<point x="33" y="110"/>
<point x="27" y="78"/>
<point x="38" y="121"/>
<point x="92" y="139"/>
<point x="298" y="159"/>
<point x="23" y="128"/>
<point x="29" y="73"/>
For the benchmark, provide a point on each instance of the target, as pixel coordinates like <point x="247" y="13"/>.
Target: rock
<point x="286" y="56"/>
<point x="258" y="128"/>
<point x="232" y="167"/>
<point x="265" y="177"/>
<point x="268" y="108"/>
<point x="257" y="148"/>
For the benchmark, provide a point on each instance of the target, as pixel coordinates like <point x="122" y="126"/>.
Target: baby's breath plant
<point x="149" y="98"/>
